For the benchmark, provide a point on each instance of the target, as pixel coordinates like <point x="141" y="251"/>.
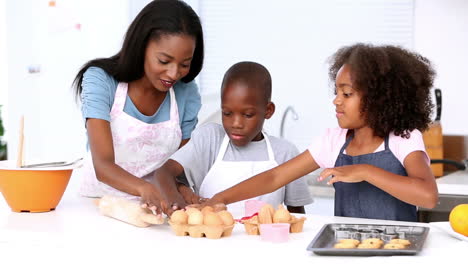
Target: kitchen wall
<point x="441" y="34"/>
<point x="47" y="42"/>
<point x="294" y="40"/>
<point x="3" y="63"/>
<point x="39" y="35"/>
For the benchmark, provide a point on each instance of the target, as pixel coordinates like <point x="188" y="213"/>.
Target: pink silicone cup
<point x="275" y="232"/>
<point x="253" y="206"/>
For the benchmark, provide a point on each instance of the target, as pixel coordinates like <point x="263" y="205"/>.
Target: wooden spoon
<point x="19" y="160"/>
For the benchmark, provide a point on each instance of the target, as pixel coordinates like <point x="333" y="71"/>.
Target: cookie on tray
<point x="394" y="246"/>
<point x="349" y="240"/>
<point x="404" y="242"/>
<point x="345" y="245"/>
<point x="371" y="243"/>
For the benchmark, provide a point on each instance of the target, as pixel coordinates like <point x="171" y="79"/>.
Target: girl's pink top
<point x="325" y="148"/>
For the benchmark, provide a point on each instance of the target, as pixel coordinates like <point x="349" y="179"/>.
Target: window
<point x="293" y="39"/>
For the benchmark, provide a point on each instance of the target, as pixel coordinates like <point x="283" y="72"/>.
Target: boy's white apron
<point x="225" y="174"/>
<point x="139" y="148"/>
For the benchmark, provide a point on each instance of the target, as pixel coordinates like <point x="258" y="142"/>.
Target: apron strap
<point x="226" y="140"/>
<point x="223" y="148"/>
<point x="120" y="95"/>
<point x="386" y="143"/>
<point x="174" y="112"/>
<point x="348" y="140"/>
<point x="271" y="155"/>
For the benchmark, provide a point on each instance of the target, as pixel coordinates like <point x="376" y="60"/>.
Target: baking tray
<point x="330" y="234"/>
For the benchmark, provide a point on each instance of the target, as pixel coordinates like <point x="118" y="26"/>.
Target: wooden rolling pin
<point x="127" y="211"/>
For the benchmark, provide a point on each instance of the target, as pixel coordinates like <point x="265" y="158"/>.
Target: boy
<point x="218" y="157"/>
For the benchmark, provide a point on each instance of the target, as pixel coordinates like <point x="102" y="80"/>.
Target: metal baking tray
<point x="330" y="234"/>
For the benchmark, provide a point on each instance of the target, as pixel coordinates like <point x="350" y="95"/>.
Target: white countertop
<point x="454" y="183"/>
<point x="77" y="233"/>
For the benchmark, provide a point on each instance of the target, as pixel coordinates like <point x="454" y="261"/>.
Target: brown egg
<point x="207" y="209"/>
<point x="226" y="217"/>
<point x="281" y="215"/>
<point x="265" y="215"/>
<point x="179" y="217"/>
<point x="212" y="219"/>
<point x="219" y="207"/>
<point x="198" y="206"/>
<point x="190" y="210"/>
<point x="195" y="218"/>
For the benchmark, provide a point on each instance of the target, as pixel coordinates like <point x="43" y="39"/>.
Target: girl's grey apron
<point x="365" y="200"/>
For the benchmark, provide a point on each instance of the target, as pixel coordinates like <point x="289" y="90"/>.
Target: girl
<point x="141" y="104"/>
<point x="376" y="159"/>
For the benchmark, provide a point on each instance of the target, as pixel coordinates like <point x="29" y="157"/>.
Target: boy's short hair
<point x="253" y="74"/>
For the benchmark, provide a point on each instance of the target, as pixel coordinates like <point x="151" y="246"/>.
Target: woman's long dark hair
<point x="160" y="17"/>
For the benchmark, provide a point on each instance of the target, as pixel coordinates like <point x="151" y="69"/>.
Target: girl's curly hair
<point x="395" y="85"/>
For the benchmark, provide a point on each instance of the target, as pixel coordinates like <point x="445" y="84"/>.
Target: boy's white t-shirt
<point x="199" y="154"/>
<point x="326" y="148"/>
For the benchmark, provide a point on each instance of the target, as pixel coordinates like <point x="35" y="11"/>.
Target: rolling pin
<point x="127" y="211"/>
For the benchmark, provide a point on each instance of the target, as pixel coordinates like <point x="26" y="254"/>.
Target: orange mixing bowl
<point x="33" y="189"/>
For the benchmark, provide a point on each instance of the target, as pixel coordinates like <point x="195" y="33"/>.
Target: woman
<point x="141" y="104"/>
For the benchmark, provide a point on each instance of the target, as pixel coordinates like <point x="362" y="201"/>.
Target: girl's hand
<point x="189" y="196"/>
<point x="348" y="173"/>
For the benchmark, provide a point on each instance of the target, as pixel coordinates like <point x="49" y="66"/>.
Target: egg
<point x="219" y="207"/>
<point x="179" y="217"/>
<point x="265" y="215"/>
<point x="281" y="215"/>
<point x="190" y="210"/>
<point x="212" y="219"/>
<point x="207" y="209"/>
<point x="195" y="218"/>
<point x="198" y="206"/>
<point x="226" y="217"/>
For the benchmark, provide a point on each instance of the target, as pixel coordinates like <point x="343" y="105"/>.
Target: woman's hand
<point x="150" y="198"/>
<point x="189" y="196"/>
<point x="153" y="200"/>
<point x="173" y="203"/>
<point x="348" y="173"/>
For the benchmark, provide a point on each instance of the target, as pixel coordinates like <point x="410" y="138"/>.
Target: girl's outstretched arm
<point x="418" y="188"/>
<point x="269" y="180"/>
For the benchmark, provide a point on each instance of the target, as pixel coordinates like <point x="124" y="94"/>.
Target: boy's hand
<point x="189" y="196"/>
<point x="348" y="173"/>
<point x="215" y="202"/>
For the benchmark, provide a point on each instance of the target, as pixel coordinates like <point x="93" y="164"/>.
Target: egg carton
<point x="212" y="232"/>
<point x="252" y="225"/>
